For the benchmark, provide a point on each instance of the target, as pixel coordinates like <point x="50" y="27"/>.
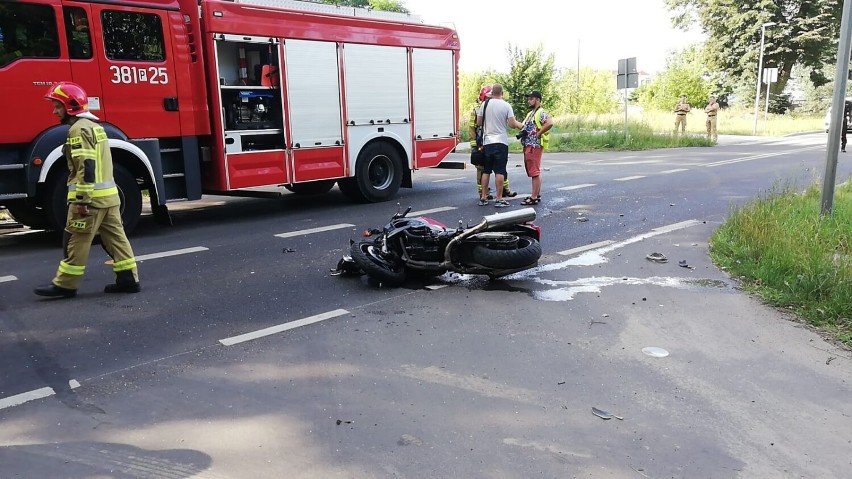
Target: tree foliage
<point x="528" y="70"/>
<point x="383" y="5"/>
<point x="592" y="91"/>
<point x="685" y="74"/>
<point x="805" y="34"/>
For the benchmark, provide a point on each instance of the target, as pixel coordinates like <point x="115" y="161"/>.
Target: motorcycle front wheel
<point x="368" y="257"/>
<point x="497" y="256"/>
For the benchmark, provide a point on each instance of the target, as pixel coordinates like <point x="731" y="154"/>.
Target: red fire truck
<point x="219" y="97"/>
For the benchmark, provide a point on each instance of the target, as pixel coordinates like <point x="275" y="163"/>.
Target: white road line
<point x="433" y="210"/>
<point x="314" y="230"/>
<point x="628" y="178"/>
<point x="22" y="398"/>
<point x="581" y="249"/>
<point x="165" y="254"/>
<point x="450" y="179"/>
<point x="757" y="157"/>
<point x="433" y="287"/>
<point x="575" y="187"/>
<point x="4" y="279"/>
<point x="676" y="170"/>
<point x="282" y="327"/>
<point x="673" y="227"/>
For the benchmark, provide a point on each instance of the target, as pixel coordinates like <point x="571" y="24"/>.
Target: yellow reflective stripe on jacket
<point x="71" y="269"/>
<point x="84" y="152"/>
<point x="97" y="190"/>
<point x="124" y="265"/>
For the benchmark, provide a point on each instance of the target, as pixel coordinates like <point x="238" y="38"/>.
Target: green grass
<point x="653" y="129"/>
<point x="781" y="249"/>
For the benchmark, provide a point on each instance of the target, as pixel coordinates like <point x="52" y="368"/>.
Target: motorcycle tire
<point x="527" y="253"/>
<point x="364" y="255"/>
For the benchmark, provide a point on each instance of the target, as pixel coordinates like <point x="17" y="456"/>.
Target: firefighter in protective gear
<point x="475" y="145"/>
<point x="93" y="199"/>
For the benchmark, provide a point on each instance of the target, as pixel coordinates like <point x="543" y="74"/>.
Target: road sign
<point x="628" y="75"/>
<point x="770" y="75"/>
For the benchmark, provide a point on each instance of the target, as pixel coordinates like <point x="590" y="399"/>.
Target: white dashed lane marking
<point x="282" y="327"/>
<point x="166" y="254"/>
<point x="433" y="210"/>
<point x="575" y="187"/>
<point x="629" y="178"/>
<point x="4" y="279"/>
<point x="22" y="398"/>
<point x="315" y="230"/>
<point x="676" y="170"/>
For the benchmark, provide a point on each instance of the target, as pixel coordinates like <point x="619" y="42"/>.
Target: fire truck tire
<point x="28" y="215"/>
<point x="312" y="188"/>
<point x="128" y="190"/>
<point x="378" y="175"/>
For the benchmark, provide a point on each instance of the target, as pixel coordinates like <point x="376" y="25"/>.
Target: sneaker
<point x="501" y="204"/>
<point x="483" y="202"/>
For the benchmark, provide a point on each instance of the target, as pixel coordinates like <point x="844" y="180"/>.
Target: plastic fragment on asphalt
<point x="655" y="352"/>
<point x="604" y="414"/>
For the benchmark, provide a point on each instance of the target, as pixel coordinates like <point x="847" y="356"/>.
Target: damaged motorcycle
<point x="500" y="244"/>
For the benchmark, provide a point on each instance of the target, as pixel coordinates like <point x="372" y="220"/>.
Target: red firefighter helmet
<point x="485" y="92"/>
<point x="71" y="95"/>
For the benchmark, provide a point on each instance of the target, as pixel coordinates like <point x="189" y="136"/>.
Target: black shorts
<point x="496" y="158"/>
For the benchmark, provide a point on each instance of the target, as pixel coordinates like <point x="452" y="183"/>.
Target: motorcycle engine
<point x="423" y="241"/>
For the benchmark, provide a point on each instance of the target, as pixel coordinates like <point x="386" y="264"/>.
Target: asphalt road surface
<point x="244" y="357"/>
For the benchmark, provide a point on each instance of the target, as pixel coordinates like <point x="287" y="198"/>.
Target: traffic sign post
<point x="628" y="77"/>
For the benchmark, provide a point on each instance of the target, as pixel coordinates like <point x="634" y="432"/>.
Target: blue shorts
<point x="496" y="158"/>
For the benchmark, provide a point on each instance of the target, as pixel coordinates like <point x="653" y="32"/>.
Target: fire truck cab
<point x="219" y="97"/>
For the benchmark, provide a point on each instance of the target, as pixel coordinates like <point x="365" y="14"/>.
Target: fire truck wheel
<point x="312" y="188"/>
<point x="378" y="175"/>
<point x="128" y="190"/>
<point x="131" y="197"/>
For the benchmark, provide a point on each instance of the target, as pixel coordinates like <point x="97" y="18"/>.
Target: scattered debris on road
<point x="657" y="257"/>
<point x="604" y="414"/>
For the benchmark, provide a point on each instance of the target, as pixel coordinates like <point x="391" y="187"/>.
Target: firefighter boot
<point x="124" y="283"/>
<point x="53" y="291"/>
<point x="507" y="193"/>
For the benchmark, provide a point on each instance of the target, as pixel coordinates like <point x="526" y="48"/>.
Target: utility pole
<point x="838" y="104"/>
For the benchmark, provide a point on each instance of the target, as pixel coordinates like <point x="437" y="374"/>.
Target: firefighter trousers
<point x="80" y="231"/>
<point x="479" y="171"/>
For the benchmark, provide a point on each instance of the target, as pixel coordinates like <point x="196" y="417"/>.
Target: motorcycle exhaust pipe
<point x="514" y="217"/>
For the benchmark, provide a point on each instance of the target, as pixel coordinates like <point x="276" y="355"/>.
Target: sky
<point x="605" y="30"/>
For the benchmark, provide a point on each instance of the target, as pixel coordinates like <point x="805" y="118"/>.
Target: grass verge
<point x="780" y="248"/>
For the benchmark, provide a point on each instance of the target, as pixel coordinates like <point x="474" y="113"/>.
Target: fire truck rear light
<point x="37" y="161"/>
<point x="218" y="13"/>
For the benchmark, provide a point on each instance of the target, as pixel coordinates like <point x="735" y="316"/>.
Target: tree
<point x="593" y="91"/>
<point x="685" y="74"/>
<point x="805" y="34"/>
<point x="528" y="70"/>
<point x="383" y="5"/>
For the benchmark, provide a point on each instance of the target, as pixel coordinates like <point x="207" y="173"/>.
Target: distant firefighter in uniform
<point x="681" y="110"/>
<point x="93" y="199"/>
<point x="712" y="109"/>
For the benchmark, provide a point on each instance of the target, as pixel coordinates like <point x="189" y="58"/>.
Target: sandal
<point x="529" y="200"/>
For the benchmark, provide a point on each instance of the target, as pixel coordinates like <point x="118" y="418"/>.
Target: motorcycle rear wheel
<point x="527" y="253"/>
<point x="367" y="256"/>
